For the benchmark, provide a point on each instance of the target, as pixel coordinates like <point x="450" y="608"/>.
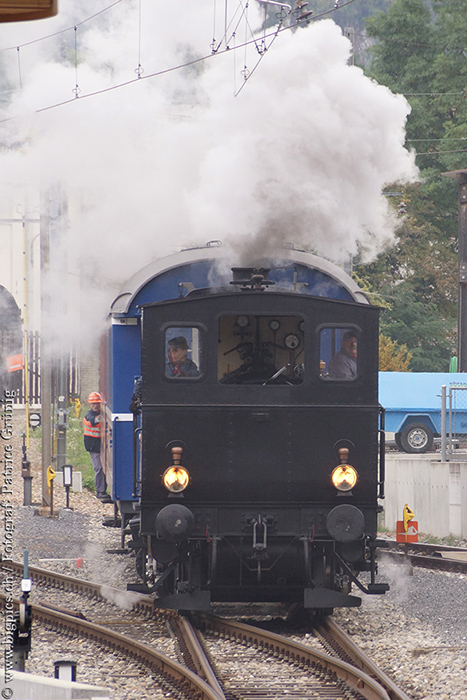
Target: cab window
<point x="183" y="352"/>
<point x="266" y="350"/>
<point x="339" y="353"/>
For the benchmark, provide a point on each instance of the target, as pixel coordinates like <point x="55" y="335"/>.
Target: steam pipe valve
<point x="176" y="455"/>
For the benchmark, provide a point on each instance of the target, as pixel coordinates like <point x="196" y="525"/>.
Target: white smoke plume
<point x="301" y="154"/>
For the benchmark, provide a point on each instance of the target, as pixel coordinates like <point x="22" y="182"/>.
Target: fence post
<point x="443" y="423"/>
<point x="450" y="422"/>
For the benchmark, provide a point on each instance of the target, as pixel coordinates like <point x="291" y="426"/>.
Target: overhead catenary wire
<point x="422" y="45"/>
<point x="439" y="153"/>
<point x="215" y="52"/>
<point x="126" y="83"/>
<point x="446" y="138"/>
<point x="435" y="94"/>
<point x="63" y="31"/>
<point x="54" y="34"/>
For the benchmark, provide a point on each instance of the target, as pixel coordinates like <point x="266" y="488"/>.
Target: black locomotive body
<point x="259" y="470"/>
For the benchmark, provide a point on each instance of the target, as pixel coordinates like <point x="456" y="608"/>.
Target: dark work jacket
<point x="91" y="422"/>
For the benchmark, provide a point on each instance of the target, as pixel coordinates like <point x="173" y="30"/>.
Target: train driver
<point x="344" y="364"/>
<point x="178" y="363"/>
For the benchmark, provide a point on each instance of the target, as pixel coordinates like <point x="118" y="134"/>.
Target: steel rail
<point x="424" y="547"/>
<point x="187" y="682"/>
<point x="197" y="654"/>
<point x="361" y="660"/>
<point x="142" y="603"/>
<point x="145" y="604"/>
<point x="425" y="561"/>
<point x="295" y="652"/>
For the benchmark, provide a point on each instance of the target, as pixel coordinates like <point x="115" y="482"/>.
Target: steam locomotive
<point x="253" y="468"/>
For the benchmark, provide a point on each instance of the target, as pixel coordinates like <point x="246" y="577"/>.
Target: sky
<point x="191" y="152"/>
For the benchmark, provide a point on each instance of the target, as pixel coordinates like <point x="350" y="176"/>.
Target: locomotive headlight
<point x="344" y="477"/>
<point x="176" y="479"/>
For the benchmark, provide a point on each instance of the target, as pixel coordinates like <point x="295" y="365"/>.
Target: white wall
<point x="435" y="491"/>
<point x="32" y="687"/>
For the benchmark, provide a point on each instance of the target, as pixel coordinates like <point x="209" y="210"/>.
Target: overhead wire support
<point x="225" y="21"/>
<point x="233" y="33"/>
<point x="261" y="47"/>
<point x="19" y="69"/>
<point x="213" y="44"/>
<point x="139" y="70"/>
<point x="76" y="89"/>
<point x="246" y="72"/>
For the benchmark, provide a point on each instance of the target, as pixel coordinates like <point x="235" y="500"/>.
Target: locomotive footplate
<point x="264" y="554"/>
<point x="327" y="598"/>
<point x="197" y="600"/>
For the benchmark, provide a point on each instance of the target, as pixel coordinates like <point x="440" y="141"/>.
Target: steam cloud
<point x="301" y="155"/>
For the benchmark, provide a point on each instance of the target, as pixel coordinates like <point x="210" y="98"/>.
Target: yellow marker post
<point x="77" y="403"/>
<point x="408" y="516"/>
<point x="407" y="528"/>
<point x="51" y="474"/>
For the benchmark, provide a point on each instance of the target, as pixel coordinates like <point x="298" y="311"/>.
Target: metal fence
<point x="453" y="419"/>
<point x="16" y="381"/>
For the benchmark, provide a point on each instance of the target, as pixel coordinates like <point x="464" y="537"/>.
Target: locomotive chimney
<point x="256" y="278"/>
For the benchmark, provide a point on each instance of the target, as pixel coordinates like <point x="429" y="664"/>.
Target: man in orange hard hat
<point x="92" y="443"/>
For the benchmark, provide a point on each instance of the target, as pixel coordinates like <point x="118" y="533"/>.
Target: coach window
<point x="339" y="353"/>
<point x="183" y="352"/>
<point x="266" y="350"/>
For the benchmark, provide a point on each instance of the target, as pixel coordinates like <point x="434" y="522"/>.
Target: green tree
<point x="449" y="81"/>
<point x="392" y="356"/>
<point x="418" y="325"/>
<point x="353" y="15"/>
<point x="418" y="52"/>
<point x="403" y="58"/>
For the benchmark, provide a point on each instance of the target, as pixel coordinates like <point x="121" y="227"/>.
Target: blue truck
<point x="412" y="402"/>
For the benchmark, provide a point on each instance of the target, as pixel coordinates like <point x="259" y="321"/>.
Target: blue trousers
<point x="100" y="481"/>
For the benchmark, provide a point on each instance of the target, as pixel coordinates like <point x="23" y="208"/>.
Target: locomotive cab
<point x="258" y="466"/>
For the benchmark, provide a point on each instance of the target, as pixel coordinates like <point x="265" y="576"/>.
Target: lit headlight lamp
<point x="176" y="478"/>
<point x="344" y="477"/>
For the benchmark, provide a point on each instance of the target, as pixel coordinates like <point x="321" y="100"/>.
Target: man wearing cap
<point x="344" y="364"/>
<point x="178" y="364"/>
<point x="92" y="444"/>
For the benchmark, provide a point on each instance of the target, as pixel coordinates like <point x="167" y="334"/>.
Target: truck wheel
<point x="397" y="440"/>
<point x="416" y="437"/>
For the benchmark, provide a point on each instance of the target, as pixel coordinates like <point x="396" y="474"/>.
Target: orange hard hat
<point x="94" y="397"/>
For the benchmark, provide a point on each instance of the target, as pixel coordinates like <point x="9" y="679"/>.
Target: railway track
<point x="350" y="669"/>
<point x="207" y="645"/>
<point x="168" y="673"/>
<point x="430" y="556"/>
<point x="140" y="604"/>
